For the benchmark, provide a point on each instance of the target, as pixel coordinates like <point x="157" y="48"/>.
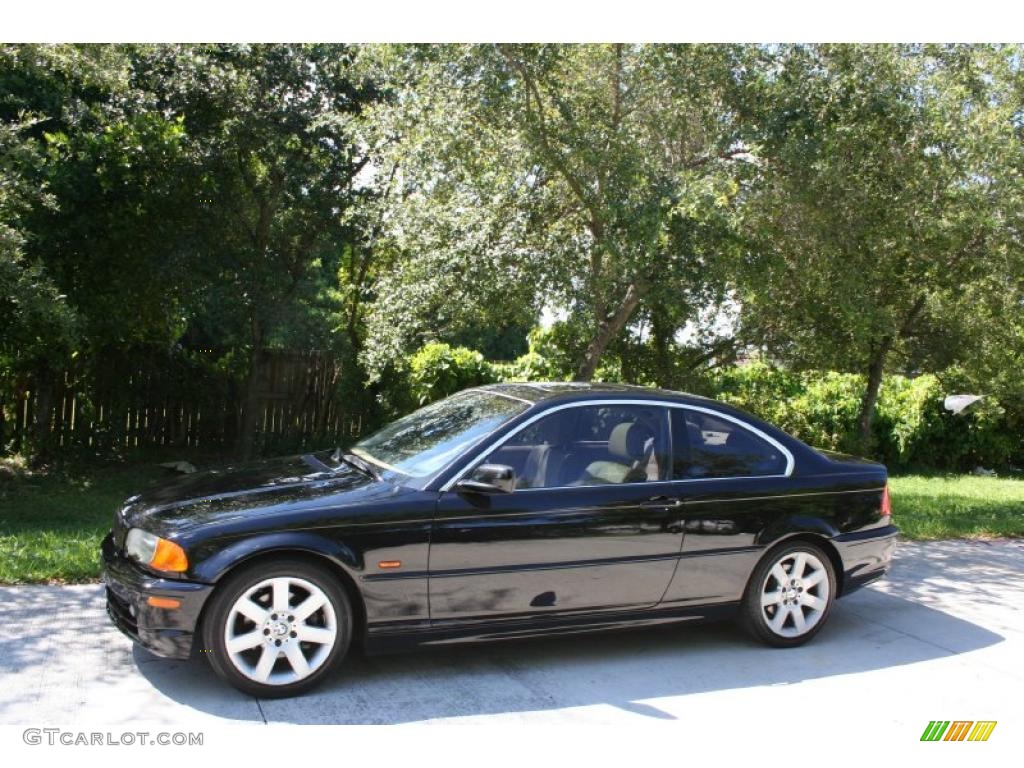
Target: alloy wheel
<point x="795" y="594"/>
<point x="280" y="631"/>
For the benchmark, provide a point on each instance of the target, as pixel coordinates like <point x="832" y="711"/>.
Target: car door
<point x="588" y="527"/>
<point x="731" y="481"/>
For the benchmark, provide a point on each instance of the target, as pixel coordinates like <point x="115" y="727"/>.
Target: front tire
<point x="277" y="628"/>
<point x="790" y="595"/>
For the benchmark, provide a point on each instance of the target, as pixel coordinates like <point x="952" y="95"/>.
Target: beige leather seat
<point x="632" y="449"/>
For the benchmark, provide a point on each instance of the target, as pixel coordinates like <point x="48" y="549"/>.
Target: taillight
<point x="886" y="503"/>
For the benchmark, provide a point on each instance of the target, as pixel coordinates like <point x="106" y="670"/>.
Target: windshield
<point x="424" y="442"/>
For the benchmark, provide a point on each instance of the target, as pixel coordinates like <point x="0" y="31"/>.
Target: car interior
<point x="718" y="448"/>
<point x="596" y="445"/>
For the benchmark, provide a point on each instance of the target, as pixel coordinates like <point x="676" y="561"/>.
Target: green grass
<point x="51" y="523"/>
<point x="957" y="506"/>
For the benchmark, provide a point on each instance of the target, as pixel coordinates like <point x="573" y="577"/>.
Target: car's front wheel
<point x="790" y="595"/>
<point x="277" y="628"/>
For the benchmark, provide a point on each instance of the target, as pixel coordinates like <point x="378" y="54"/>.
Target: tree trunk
<point x="608" y="328"/>
<point x="662" y="337"/>
<point x="41" y="443"/>
<point x="876" y="369"/>
<point x="250" y="404"/>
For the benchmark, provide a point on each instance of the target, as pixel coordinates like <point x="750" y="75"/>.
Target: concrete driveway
<point x="942" y="638"/>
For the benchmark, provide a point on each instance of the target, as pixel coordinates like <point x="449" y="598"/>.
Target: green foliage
<point x="757" y="388"/>
<point x="438" y="370"/>
<point x="551" y="356"/>
<point x="51" y="523"/>
<point x="529" y="367"/>
<point x="826" y="411"/>
<point x="852" y="208"/>
<point x="988" y="434"/>
<point x="929" y="507"/>
<point x="591" y="177"/>
<point x="911" y="428"/>
<point x="554" y="349"/>
<point x="889" y="175"/>
<point x="36" y="322"/>
<point x="198" y="195"/>
<point x="108" y="224"/>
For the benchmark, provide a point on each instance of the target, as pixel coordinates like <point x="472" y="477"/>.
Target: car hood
<point x="247" y="490"/>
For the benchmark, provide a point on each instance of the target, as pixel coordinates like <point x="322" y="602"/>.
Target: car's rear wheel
<point x="277" y="628"/>
<point x="790" y="595"/>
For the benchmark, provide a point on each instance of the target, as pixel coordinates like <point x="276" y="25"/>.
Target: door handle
<point x="664" y="502"/>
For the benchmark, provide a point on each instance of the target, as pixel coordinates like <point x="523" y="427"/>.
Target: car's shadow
<point x="867" y="631"/>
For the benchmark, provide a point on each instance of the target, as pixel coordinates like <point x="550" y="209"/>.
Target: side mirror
<point x="489" y="478"/>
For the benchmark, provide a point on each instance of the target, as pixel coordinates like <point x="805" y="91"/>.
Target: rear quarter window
<point x="705" y="445"/>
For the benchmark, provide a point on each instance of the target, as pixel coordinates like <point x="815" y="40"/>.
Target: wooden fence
<point x="152" y="399"/>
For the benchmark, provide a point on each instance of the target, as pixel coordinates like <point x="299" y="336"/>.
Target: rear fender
<point x="791" y="525"/>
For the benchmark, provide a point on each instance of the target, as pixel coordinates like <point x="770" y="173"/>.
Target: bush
<point x="925" y="434"/>
<point x="439" y="370"/>
<point x="911" y="427"/>
<point x="529" y="367"/>
<point x="546" y="360"/>
<point x="759" y="389"/>
<point x="554" y="351"/>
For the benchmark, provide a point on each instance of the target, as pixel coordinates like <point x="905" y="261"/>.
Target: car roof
<point x="543" y="391"/>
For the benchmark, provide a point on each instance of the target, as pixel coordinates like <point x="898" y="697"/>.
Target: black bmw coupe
<point x="506" y="511"/>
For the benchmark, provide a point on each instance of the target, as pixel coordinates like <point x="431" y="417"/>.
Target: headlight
<point x="161" y="554"/>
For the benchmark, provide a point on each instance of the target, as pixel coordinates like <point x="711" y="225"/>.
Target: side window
<point x="549" y="430"/>
<point x="589" y="445"/>
<point x="709" y="446"/>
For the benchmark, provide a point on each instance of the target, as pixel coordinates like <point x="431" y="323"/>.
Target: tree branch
<point x="533" y="97"/>
<point x="700" y="162"/>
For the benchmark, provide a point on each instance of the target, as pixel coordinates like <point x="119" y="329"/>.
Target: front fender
<point x="223" y="557"/>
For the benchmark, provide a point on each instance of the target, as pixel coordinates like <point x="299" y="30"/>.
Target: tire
<point x="260" y="648"/>
<point x="790" y="595"/>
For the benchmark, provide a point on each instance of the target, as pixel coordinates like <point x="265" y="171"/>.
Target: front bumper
<point x="866" y="555"/>
<point x="166" y="632"/>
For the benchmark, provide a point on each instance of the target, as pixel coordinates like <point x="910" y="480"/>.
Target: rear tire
<point x="276" y="629"/>
<point x="790" y="595"/>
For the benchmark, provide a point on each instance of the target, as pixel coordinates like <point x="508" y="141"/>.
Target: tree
<point x="82" y="140"/>
<point x="194" y="193"/>
<point x="594" y="178"/>
<point x="885" y="182"/>
<point x="272" y="173"/>
<point x="36" y="323"/>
